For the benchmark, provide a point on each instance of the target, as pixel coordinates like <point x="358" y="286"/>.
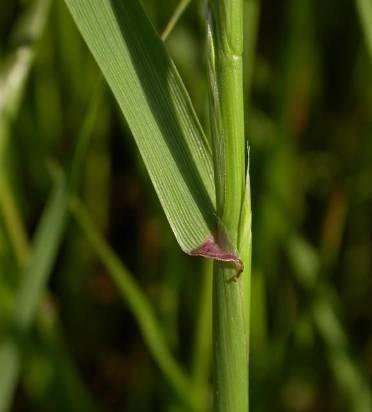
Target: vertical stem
<point x="230" y="294"/>
<point x="227" y="18"/>
<point x="181" y="7"/>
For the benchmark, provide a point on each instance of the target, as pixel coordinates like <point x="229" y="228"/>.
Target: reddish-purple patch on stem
<point x="212" y="250"/>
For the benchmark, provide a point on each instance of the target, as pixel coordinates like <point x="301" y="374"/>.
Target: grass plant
<point x="97" y="301"/>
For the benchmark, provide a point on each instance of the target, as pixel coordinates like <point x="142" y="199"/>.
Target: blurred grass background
<point x="309" y="125"/>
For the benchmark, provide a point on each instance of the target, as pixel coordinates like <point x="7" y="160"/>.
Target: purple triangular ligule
<point x="211" y="249"/>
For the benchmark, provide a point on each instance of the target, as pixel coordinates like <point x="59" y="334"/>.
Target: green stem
<point x="230" y="293"/>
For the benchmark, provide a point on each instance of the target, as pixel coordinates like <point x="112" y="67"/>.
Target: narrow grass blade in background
<point x="45" y="247"/>
<point x="181" y="7"/>
<point x="202" y="349"/>
<point x="13" y="75"/>
<point x="43" y="254"/>
<point x="12" y="220"/>
<point x="364" y="8"/>
<point x="159" y="112"/>
<point x="46" y="244"/>
<point x="14" y="72"/>
<point x="137" y="302"/>
<point x="347" y="372"/>
<point x="354" y="385"/>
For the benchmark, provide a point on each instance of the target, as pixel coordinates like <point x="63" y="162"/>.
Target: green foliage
<point x="33" y="281"/>
<point x="137" y="302"/>
<point x="99" y="309"/>
<point x="231" y="294"/>
<point x="158" y="110"/>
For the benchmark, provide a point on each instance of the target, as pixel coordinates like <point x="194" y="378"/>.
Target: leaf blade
<point x="158" y="110"/>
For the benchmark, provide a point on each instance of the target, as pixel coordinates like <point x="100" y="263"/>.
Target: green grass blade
<point x="202" y="350"/>
<point x="13" y="222"/>
<point x="353" y="384"/>
<point x="364" y="8"/>
<point x="14" y="71"/>
<point x="231" y="294"/>
<point x="45" y="247"/>
<point x="159" y="112"/>
<point x="43" y="254"/>
<point x="47" y="240"/>
<point x="136" y="301"/>
<point x="10" y="364"/>
<point x="181" y="7"/>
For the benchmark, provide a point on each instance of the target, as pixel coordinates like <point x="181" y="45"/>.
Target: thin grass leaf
<point x="354" y="386"/>
<point x="136" y="301"/>
<point x="202" y="349"/>
<point x="245" y="246"/>
<point x="14" y="71"/>
<point x="364" y="8"/>
<point x="347" y="372"/>
<point x="181" y="7"/>
<point x="45" y="247"/>
<point x="44" y="251"/>
<point x="160" y="115"/>
<point x="13" y="223"/>
<point x="65" y="383"/>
